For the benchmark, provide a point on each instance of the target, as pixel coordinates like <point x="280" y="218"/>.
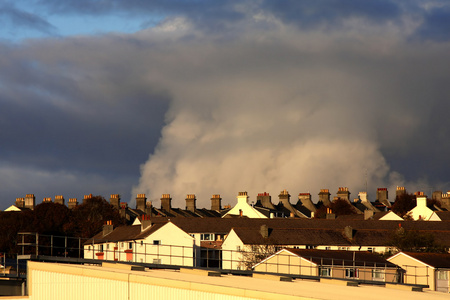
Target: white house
<point x="159" y="243"/>
<point x="432" y="269"/>
<point x="421" y="211"/>
<point x="242" y="208"/>
<point x="330" y="263"/>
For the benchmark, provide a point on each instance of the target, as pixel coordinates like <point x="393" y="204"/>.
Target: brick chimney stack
<point x="123" y="209"/>
<point x="382" y="196"/>
<point x="73" y="202"/>
<point x="47" y="200"/>
<point x="400" y="191"/>
<point x="344" y="194"/>
<point x="166" y="202"/>
<point x="242" y="197"/>
<point x="284" y="198"/>
<point x="190" y="202"/>
<point x="145" y="222"/>
<point x="216" y="203"/>
<point x="59" y="199"/>
<point x="30" y="201"/>
<point x="108" y="228"/>
<point x="87" y="197"/>
<point x="141" y="202"/>
<point x="305" y="200"/>
<point x="114" y="200"/>
<point x="265" y="200"/>
<point x="324" y="197"/>
<point x="148" y="209"/>
<point x="20" y="202"/>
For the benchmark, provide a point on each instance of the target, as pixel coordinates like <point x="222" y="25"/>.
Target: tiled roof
<point x="444" y="215"/>
<point x="338" y="257"/>
<point x="437" y="260"/>
<point x="124" y="233"/>
<point x="289" y="236"/>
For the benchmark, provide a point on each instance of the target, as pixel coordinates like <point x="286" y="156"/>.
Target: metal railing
<point x="155" y="254"/>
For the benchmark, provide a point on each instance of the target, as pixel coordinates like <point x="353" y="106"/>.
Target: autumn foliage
<point x="48" y="218"/>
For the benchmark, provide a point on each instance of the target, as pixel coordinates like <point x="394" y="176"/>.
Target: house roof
<point x="307" y="231"/>
<point x="125" y="233"/>
<point x="224" y="225"/>
<point x="339" y="257"/>
<point x="436" y="260"/>
<point x="443" y="215"/>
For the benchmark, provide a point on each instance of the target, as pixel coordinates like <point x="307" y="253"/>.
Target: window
<point x="310" y="247"/>
<point x="207" y="237"/>
<point x="378" y="274"/>
<point x="325" y="272"/>
<point x="107" y="246"/>
<point x="121" y="246"/>
<point x="351" y="273"/>
<point x="130" y="245"/>
<point x="442" y="275"/>
<point x="157" y="260"/>
<point x="156" y="242"/>
<point x="370" y="249"/>
<point x="100" y="248"/>
<point x="238" y="248"/>
<point x="142" y="243"/>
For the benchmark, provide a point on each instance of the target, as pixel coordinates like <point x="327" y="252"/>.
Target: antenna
<point x="366" y="180"/>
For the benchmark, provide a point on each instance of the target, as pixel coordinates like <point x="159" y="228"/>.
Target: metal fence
<point x="154" y="254"/>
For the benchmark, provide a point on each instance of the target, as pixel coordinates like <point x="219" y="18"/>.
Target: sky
<point x="217" y="97"/>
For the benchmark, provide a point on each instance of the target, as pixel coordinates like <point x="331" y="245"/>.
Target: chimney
<point x="400" y="191"/>
<point x="72" y="203"/>
<point x="47" y="200"/>
<point x="324" y="196"/>
<point x="242" y="197"/>
<point x="166" y="202"/>
<point x="421" y="199"/>
<point x="108" y="228"/>
<point x="59" y="199"/>
<point x="265" y="199"/>
<point x="305" y="200"/>
<point x="264" y="230"/>
<point x="437" y="195"/>
<point x="145" y="222"/>
<point x="114" y="200"/>
<point x="348" y="232"/>
<point x="149" y="209"/>
<point x="368" y="214"/>
<point x="30" y="201"/>
<point x="344" y="194"/>
<point x="362" y="197"/>
<point x="216" y="203"/>
<point x="87" y="197"/>
<point x="190" y="202"/>
<point x="123" y="209"/>
<point x="284" y="198"/>
<point x="330" y="215"/>
<point x="20" y="202"/>
<point x="141" y="202"/>
<point x="382" y="196"/>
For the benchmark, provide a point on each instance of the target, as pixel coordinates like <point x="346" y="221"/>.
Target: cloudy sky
<point x="217" y="97"/>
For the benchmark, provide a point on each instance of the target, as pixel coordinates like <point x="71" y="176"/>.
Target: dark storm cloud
<point x="436" y="25"/>
<point x="61" y="116"/>
<point x="281" y="104"/>
<point x="332" y="12"/>
<point x="14" y="18"/>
